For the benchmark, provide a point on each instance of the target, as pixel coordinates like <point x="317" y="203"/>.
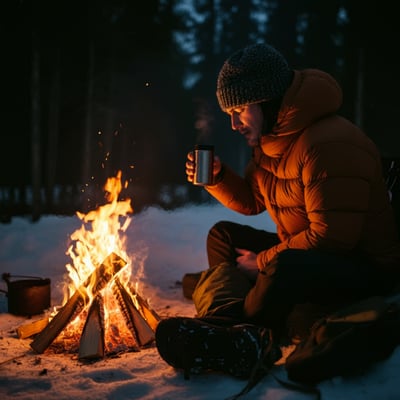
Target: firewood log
<point x="99" y="277"/>
<point x="147" y="312"/>
<point x="32" y="328"/>
<point x="140" y="329"/>
<point x="91" y="344"/>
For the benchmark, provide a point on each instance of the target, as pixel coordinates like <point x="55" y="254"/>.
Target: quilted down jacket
<point x="319" y="177"/>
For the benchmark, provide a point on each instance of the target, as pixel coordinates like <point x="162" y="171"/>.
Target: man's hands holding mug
<point x="191" y="166"/>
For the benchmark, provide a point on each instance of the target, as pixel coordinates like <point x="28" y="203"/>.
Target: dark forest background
<point x="95" y="87"/>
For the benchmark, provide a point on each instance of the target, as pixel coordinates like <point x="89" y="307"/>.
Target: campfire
<point x="103" y="312"/>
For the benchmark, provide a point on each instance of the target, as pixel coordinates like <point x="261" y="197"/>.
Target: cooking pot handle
<point x="7" y="276"/>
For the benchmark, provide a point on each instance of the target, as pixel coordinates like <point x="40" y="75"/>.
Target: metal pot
<point x="28" y="296"/>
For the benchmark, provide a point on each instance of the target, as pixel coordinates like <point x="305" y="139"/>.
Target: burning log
<point x="148" y="313"/>
<point x="140" y="329"/>
<point x="99" y="277"/>
<point x="91" y="345"/>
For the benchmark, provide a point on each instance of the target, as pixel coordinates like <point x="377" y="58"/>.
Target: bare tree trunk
<point x="35" y="128"/>
<point x="54" y="113"/>
<point x="358" y="107"/>
<point x="109" y="129"/>
<point x="87" y="143"/>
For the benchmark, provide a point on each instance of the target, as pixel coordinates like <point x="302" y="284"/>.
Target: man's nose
<point x="235" y="121"/>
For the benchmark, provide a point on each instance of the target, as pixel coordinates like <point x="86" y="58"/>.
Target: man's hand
<point x="190" y="166"/>
<point x="247" y="262"/>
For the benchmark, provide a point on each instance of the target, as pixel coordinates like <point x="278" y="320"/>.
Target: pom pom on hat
<point x="254" y="74"/>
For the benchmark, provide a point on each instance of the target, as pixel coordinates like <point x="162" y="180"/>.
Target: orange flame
<point x="102" y="232"/>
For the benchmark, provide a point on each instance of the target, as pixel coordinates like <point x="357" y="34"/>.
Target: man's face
<point x="248" y="121"/>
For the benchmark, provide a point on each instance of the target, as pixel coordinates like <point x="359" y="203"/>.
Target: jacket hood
<point x="312" y="95"/>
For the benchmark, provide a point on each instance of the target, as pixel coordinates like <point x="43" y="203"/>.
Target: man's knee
<point x="221" y="226"/>
<point x="220" y="231"/>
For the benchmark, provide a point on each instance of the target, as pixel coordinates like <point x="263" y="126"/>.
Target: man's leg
<point x="222" y="239"/>
<point x="219" y="339"/>
<point x="222" y="288"/>
<point x="306" y="276"/>
<point x="225" y="236"/>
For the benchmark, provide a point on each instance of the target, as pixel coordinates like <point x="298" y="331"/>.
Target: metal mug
<point x="204" y="165"/>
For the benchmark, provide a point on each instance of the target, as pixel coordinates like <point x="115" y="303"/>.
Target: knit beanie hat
<point x="254" y="74"/>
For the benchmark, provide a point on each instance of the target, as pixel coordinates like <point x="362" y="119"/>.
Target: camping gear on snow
<point x="28" y="296"/>
<point x="343" y="343"/>
<point x="347" y="341"/>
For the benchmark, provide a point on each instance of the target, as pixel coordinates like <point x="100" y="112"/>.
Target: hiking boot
<point x="197" y="346"/>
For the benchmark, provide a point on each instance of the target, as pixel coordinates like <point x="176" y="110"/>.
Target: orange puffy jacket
<point x="319" y="177"/>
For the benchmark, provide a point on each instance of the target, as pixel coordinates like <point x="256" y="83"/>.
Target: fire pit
<point x="101" y="291"/>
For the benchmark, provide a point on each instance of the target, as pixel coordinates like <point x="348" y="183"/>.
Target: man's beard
<point x="253" y="142"/>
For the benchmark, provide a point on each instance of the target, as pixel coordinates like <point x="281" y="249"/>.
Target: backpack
<point x="343" y="343"/>
<point x="347" y="341"/>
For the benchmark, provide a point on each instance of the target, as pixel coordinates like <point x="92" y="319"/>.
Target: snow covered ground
<point x="170" y="243"/>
